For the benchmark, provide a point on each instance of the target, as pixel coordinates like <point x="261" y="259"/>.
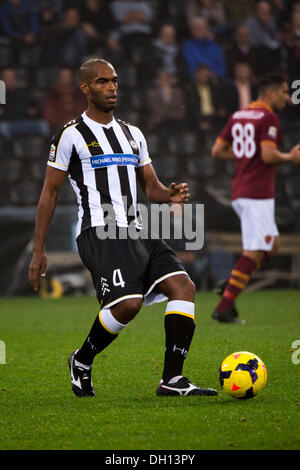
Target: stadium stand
<point x="42" y="43"/>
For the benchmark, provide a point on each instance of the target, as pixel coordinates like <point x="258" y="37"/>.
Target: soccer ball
<point x="243" y="375"/>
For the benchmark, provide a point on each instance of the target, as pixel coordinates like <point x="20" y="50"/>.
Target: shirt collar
<point x="91" y="121"/>
<point x="260" y="104"/>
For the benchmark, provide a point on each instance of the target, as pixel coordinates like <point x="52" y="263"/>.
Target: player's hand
<point x="179" y="192"/>
<point x="295" y="153"/>
<point x="37" y="268"/>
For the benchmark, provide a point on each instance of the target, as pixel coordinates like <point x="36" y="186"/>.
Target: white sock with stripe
<point x="109" y="322"/>
<point x="105" y="329"/>
<point x="181" y="307"/>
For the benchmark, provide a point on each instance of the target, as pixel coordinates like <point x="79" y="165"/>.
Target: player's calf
<point x="105" y="330"/>
<point x="238" y="280"/>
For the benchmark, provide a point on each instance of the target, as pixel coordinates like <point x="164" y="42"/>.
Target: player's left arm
<point x="157" y="191"/>
<point x="271" y="155"/>
<point x="270" y="138"/>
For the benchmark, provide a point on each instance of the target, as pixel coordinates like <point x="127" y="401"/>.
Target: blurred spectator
<point x="55" y="7"/>
<point x="67" y="43"/>
<point x="166" y="110"/>
<point x="133" y="25"/>
<point x="207" y="105"/>
<point x="238" y="11"/>
<point x="174" y="12"/>
<point x="21" y="114"/>
<point x="19" y="21"/>
<point x="262" y="26"/>
<point x="264" y="35"/>
<point x="212" y="11"/>
<point x="49" y="13"/>
<point x="291" y="41"/>
<point x="281" y="11"/>
<point x="290" y="117"/>
<point x="294" y="47"/>
<point x="165" y="50"/>
<point x="63" y="101"/>
<point x="200" y="48"/>
<point x="96" y="21"/>
<point x="242" y="50"/>
<point x="242" y="91"/>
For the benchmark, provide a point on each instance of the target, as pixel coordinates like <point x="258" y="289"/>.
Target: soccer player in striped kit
<point x="103" y="158"/>
<point x="251" y="137"/>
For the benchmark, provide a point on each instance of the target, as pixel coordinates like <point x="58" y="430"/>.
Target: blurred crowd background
<point x="184" y="67"/>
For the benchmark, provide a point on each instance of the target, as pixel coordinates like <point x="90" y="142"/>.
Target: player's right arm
<point x="53" y="180"/>
<point x="58" y="163"/>
<point x="222" y="148"/>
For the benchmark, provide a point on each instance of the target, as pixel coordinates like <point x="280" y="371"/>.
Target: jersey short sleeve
<point x="144" y="153"/>
<point x="139" y="138"/>
<point x="270" y="133"/>
<point x="60" y="150"/>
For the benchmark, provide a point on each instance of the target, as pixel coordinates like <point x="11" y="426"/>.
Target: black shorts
<point x="127" y="268"/>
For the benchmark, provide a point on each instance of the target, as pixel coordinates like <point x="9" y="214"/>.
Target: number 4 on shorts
<point x="117" y="278"/>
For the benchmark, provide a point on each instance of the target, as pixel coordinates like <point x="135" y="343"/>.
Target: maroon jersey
<point x="246" y="131"/>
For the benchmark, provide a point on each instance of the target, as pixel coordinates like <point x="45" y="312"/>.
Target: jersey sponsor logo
<point x="94" y="144"/>
<point x="52" y="153"/>
<point x="272" y="132"/>
<point x="101" y="161"/>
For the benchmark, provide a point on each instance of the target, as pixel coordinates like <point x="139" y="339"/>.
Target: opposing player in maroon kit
<point x="251" y="137"/>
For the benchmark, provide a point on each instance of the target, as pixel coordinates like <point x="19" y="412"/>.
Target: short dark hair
<point x="271" y="81"/>
<point x="86" y="67"/>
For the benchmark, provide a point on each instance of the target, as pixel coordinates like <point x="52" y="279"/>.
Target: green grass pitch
<point x="39" y="411"/>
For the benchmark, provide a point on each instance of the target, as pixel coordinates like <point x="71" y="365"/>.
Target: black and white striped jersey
<point x="101" y="161"/>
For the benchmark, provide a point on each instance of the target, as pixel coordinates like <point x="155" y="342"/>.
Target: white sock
<point x="181" y="307"/>
<point x="109" y="322"/>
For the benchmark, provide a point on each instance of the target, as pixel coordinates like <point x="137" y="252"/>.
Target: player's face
<point x="281" y="97"/>
<point x="103" y="87"/>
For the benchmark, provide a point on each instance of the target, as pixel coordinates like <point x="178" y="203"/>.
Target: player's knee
<point x="189" y="287"/>
<point x="179" y="287"/>
<point x="126" y="310"/>
<point x="255" y="255"/>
